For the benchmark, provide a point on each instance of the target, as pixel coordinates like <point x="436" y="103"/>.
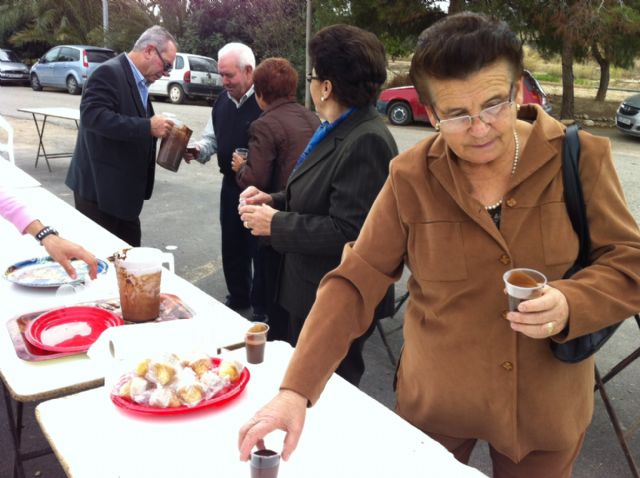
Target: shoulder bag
<point x="580" y="348"/>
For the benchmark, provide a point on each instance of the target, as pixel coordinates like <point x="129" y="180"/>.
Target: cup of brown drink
<point x="255" y="342"/>
<point x="264" y="464"/>
<point x="523" y="284"/>
<point x="139" y="273"/>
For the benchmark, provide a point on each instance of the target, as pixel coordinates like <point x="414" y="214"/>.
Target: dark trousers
<point x="239" y="250"/>
<point x="277" y="316"/>
<point x="352" y="366"/>
<point x="128" y="231"/>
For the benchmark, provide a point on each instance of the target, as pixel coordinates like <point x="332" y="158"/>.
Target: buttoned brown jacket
<point x="463" y="372"/>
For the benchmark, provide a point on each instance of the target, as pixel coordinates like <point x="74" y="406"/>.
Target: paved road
<point x="183" y="213"/>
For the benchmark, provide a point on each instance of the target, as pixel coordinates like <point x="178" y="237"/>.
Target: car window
<point x="179" y="63"/>
<point x="8" y="55"/>
<point x="52" y="55"/>
<point x="203" y="64"/>
<point x="69" y="54"/>
<point x="99" y="56"/>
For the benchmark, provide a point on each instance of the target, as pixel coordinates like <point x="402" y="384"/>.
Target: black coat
<point x="325" y="204"/>
<point x="113" y="161"/>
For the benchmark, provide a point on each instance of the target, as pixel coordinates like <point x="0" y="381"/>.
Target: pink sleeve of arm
<point x="14" y="211"/>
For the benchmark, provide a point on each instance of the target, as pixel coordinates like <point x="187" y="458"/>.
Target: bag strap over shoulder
<point x="573" y="196"/>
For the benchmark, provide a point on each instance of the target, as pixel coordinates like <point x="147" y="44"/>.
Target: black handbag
<point x="580" y="348"/>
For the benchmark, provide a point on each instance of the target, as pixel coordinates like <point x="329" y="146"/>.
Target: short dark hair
<point x="275" y="78"/>
<point x="353" y="60"/>
<point x="460" y="45"/>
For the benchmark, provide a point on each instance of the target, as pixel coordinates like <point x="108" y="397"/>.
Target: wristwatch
<point x="44" y="232"/>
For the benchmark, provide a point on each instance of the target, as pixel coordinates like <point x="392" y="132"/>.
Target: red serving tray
<point x="171" y="308"/>
<point x="227" y="395"/>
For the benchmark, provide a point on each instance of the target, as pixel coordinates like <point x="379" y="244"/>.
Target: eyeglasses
<point x="166" y="66"/>
<point x="488" y="116"/>
<point x="311" y="77"/>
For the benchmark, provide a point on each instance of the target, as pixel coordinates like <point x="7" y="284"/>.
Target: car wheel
<point x="399" y="114"/>
<point x="72" y="86"/>
<point x="176" y="94"/>
<point x="35" y="83"/>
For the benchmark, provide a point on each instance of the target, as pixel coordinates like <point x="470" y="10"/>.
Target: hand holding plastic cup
<point x="255" y="342"/>
<point x="264" y="464"/>
<point x="523" y="284"/>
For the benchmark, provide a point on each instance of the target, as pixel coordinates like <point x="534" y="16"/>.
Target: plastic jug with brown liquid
<point x="174" y="145"/>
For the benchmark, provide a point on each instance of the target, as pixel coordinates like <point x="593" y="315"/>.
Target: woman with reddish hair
<point x="276" y="140"/>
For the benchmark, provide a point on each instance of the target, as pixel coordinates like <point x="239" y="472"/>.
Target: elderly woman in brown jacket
<point x="276" y="140"/>
<point x="459" y="209"/>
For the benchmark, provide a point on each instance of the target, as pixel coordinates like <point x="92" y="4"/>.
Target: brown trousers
<point x="548" y="464"/>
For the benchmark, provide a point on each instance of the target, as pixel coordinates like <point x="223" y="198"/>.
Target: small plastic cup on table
<point x="264" y="464"/>
<point x="255" y="342"/>
<point x="523" y="284"/>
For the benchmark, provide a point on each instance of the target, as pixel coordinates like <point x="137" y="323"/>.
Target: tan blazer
<point x="463" y="371"/>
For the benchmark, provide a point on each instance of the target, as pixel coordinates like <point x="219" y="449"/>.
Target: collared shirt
<point x="208" y="142"/>
<point x="141" y="83"/>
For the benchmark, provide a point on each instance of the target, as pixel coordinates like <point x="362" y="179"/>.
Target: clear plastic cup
<point x="522" y="284"/>
<point x="264" y="464"/>
<point x="255" y="342"/>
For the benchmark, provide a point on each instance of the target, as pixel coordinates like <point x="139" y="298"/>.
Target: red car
<point x="402" y="106"/>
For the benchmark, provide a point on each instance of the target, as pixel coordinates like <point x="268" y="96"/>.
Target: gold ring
<point x="549" y="326"/>
<point x="246" y="225"/>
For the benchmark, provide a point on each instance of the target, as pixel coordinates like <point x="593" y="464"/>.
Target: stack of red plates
<point x="70" y="329"/>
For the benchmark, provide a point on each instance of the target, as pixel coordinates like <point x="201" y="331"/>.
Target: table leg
<point x="40" y="136"/>
<point x="18" y="470"/>
<point x="615" y="422"/>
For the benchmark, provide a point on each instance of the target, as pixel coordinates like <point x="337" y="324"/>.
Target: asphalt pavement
<point x="183" y="216"/>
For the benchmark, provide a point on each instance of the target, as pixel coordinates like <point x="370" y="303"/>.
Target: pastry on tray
<point x="171" y="381"/>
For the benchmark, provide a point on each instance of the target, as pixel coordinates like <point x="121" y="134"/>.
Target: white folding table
<point x="57" y="112"/>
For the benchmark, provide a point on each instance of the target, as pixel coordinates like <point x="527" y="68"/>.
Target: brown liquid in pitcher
<point x="522" y="279"/>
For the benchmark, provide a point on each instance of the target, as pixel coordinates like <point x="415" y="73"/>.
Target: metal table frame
<point x="615" y="421"/>
<point x="15" y="427"/>
<point x="57" y="112"/>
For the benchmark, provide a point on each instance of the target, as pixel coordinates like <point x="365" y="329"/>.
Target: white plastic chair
<point x="8" y="146"/>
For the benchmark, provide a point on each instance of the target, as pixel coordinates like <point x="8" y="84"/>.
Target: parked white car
<point x="628" y="116"/>
<point x="193" y="76"/>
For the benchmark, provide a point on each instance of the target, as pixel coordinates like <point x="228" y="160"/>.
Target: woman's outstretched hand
<point x="286" y="412"/>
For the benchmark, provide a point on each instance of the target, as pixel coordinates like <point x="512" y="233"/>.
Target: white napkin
<point x="119" y="349"/>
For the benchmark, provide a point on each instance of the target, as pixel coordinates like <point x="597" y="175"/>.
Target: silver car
<point x="12" y="70"/>
<point x="193" y="76"/>
<point x="628" y="116"/>
<point x="68" y="67"/>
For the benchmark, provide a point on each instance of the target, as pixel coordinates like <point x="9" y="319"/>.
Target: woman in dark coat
<point x="276" y="140"/>
<point x="335" y="180"/>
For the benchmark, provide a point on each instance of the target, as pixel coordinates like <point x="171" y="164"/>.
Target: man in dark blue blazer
<point x="113" y="165"/>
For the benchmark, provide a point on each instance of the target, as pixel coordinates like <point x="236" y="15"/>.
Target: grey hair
<point x="156" y="36"/>
<point x="243" y="53"/>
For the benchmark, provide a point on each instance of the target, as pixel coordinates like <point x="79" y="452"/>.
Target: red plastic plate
<point x="70" y="329"/>
<point x="223" y="397"/>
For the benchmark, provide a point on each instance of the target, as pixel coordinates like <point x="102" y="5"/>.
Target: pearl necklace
<point x="516" y="158"/>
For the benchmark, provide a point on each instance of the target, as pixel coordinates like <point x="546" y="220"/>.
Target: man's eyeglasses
<point x="488" y="116"/>
<point x="166" y="66"/>
<point x="311" y="77"/>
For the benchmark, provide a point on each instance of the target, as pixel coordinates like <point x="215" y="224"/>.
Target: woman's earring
<point x="437" y="127"/>
<point x="517" y="107"/>
<point x="322" y="98"/>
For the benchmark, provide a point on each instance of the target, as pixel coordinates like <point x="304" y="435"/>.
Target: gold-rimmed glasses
<point x="488" y="116"/>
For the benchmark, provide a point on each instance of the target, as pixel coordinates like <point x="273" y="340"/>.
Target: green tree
<point x="396" y="22"/>
<point x="616" y="38"/>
